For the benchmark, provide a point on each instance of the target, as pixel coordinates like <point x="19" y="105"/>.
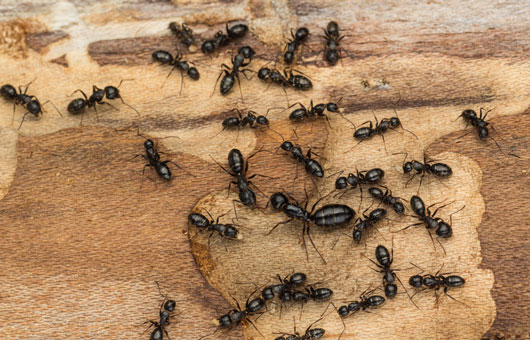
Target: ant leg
<point x="353" y="147"/>
<point x="441" y="245"/>
<point x="215" y="85"/>
<point x="124" y="103"/>
<point x="284" y="222"/>
<point x="498" y="146"/>
<point x="445" y="292"/>
<point x="411" y="225"/>
<point x="313" y="244"/>
<point x="384" y="144"/>
<point x="240" y="91"/>
<point x="172" y="69"/>
<point x="181" y="82"/>
<point x="23" y="117"/>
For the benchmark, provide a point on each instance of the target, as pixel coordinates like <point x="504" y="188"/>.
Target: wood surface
<point x="85" y="236"/>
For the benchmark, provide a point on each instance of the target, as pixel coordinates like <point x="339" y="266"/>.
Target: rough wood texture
<point x="84" y="236"/>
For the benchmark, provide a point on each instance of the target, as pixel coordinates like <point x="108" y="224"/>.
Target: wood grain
<point x="85" y="236"/>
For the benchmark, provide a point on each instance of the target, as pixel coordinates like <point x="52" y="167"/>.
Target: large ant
<point x="436" y="282"/>
<point x="231" y="74"/>
<point x="471" y="117"/>
<point x="428" y="166"/>
<point x="220" y="39"/>
<point x="365" y="301"/>
<point x="30" y="103"/>
<point x="227" y="231"/>
<point x="152" y="156"/>
<point x="183" y="33"/>
<point x="299" y="37"/>
<point x="387" y="198"/>
<point x="369" y="220"/>
<point x="165" y="58"/>
<point x="309" y="334"/>
<point x="443" y="229"/>
<point x="380" y="128"/>
<point x="79" y="105"/>
<point x="333" y="39"/>
<point x="329" y="216"/>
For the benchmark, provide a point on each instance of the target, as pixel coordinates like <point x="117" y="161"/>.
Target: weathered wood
<point x="85" y="236"/>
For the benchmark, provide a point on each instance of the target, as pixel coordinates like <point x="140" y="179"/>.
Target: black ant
<point x="333" y="39"/>
<point x="165" y="58"/>
<point x="227" y="231"/>
<point x="479" y="121"/>
<point x="288" y="78"/>
<point x="309" y="334"/>
<point x="183" y="33"/>
<point x="232" y="74"/>
<point x="252" y="119"/>
<point x="299" y="37"/>
<point x="380" y="128"/>
<point x="166" y="308"/>
<point x="436" y="282"/>
<point x="79" y="105"/>
<point x="387" y="198"/>
<point x="318" y="110"/>
<point x="428" y="166"/>
<point x="443" y="229"/>
<point x="369" y="220"/>
<point x="30" y="103"/>
<point x="152" y="156"/>
<point x="312" y="167"/>
<point x="363" y="177"/>
<point x="220" y="39"/>
<point x="329" y="216"/>
<point x="365" y="301"/>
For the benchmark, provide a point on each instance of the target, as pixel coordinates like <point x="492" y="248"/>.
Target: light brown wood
<point x="84" y="235"/>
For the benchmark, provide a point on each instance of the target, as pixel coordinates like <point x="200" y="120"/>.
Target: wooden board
<point x="84" y="235"/>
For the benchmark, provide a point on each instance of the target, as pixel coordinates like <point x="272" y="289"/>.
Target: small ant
<point x="78" y="105"/>
<point x="183" y="33"/>
<point x="329" y="216"/>
<point x="380" y="128"/>
<point x="363" y="177"/>
<point x="166" y="308"/>
<point x="309" y="334"/>
<point x="436" y="282"/>
<point x="443" y="229"/>
<point x="365" y="301"/>
<point x="318" y="110"/>
<point x="288" y="78"/>
<point x="428" y="166"/>
<point x="369" y="220"/>
<point x="471" y="117"/>
<point x="165" y="58"/>
<point x="152" y="156"/>
<point x="387" y="198"/>
<point x="220" y="39"/>
<point x="227" y="231"/>
<point x="299" y="37"/>
<point x="332" y="42"/>
<point x="252" y="119"/>
<point x="30" y="103"/>
<point x="312" y="167"/>
<point x="232" y="74"/>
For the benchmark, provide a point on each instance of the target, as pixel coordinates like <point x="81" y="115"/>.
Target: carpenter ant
<point x="252" y="119"/>
<point x="227" y="231"/>
<point x="443" y="229"/>
<point x="165" y="58"/>
<point x="365" y="301"/>
<point x="312" y="167"/>
<point x="309" y="334"/>
<point x="329" y="216"/>
<point x="288" y="78"/>
<point x="152" y="156"/>
<point x="30" y="103"/>
<point x="220" y="39"/>
<point x="369" y="220"/>
<point x="380" y="128"/>
<point x="318" y="110"/>
<point x="232" y="74"/>
<point x="479" y="121"/>
<point x="428" y="166"/>
<point x="388" y="199"/>
<point x="299" y="37"/>
<point x="166" y="308"/>
<point x="183" y="33"/>
<point x="363" y="177"/>
<point x="436" y="282"/>
<point x="333" y="39"/>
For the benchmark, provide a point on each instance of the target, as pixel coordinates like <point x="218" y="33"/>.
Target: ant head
<point x="301" y="34"/>
<point x="170" y="305"/>
<point x="332" y="28"/>
<point x="246" y="51"/>
<point x="112" y="92"/>
<point x="149" y="144"/>
<point x="208" y="46"/>
<point x="416" y="281"/>
<point x="262" y="120"/>
<point x="264" y="73"/>
<point x="287" y="146"/>
<point x="469" y="114"/>
<point x="407" y="167"/>
<point x="395" y="122"/>
<point x="34" y="107"/>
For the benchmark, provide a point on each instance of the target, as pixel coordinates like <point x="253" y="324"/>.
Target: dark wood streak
<point x="39" y="41"/>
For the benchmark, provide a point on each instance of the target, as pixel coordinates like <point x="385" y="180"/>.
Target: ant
<point x="369" y="220"/>
<point x="380" y="128"/>
<point x="220" y="39"/>
<point x="309" y="334"/>
<point x="329" y="216"/>
<point x="299" y="37"/>
<point x="443" y="229"/>
<point x="365" y="301"/>
<point x="231" y="74"/>
<point x="165" y="58"/>
<point x="288" y="78"/>
<point x="387" y="198"/>
<point x="30" y="103"/>
<point x="227" y="231"/>
<point x="312" y="167"/>
<point x="479" y="121"/>
<point x="333" y="39"/>
<point x="152" y="156"/>
<point x="318" y="110"/>
<point x="428" y="166"/>
<point x="183" y="33"/>
<point x="252" y="119"/>
<point x="385" y="260"/>
<point x="363" y="177"/>
<point x="78" y="105"/>
<point x="436" y="282"/>
<point x="166" y="308"/>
